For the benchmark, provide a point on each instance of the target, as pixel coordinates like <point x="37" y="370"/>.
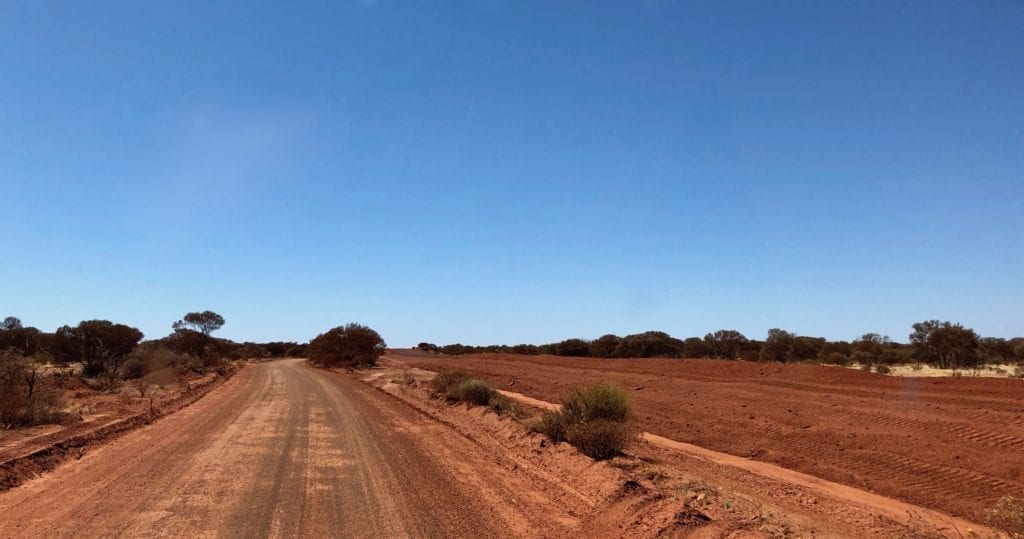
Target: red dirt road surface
<point x="283" y="449"/>
<point x="955" y="444"/>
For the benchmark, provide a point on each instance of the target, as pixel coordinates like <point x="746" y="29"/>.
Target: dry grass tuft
<point x="1008" y="515"/>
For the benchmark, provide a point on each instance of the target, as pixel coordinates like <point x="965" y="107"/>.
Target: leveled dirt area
<point x="954" y="445"/>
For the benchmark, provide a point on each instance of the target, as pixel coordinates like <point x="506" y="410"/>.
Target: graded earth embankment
<point x="951" y="444"/>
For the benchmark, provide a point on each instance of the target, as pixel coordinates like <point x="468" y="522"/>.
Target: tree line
<point x="102" y="346"/>
<point x="941" y="344"/>
<point x="108" y="353"/>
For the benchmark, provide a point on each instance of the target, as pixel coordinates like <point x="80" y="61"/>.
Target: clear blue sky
<point x="503" y="172"/>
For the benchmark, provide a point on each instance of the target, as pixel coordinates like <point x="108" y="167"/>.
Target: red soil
<point x="951" y="444"/>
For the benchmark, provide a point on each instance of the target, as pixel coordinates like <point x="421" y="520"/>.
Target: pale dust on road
<point x="280" y="449"/>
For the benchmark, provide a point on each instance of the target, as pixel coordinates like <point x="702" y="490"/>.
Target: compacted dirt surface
<point x="284" y="449"/>
<point x="955" y="445"/>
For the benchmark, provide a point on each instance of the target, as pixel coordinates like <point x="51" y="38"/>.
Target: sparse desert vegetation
<point x="597" y="420"/>
<point x="1008" y="514"/>
<point x="836" y="423"/>
<point x="943" y="345"/>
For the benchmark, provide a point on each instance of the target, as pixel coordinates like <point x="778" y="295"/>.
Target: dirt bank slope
<point x="955" y="445"/>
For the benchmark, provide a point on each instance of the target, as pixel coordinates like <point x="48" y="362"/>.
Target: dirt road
<point x="281" y="448"/>
<point x="954" y="444"/>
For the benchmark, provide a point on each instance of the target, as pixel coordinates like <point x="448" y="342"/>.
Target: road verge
<point x="72" y="443"/>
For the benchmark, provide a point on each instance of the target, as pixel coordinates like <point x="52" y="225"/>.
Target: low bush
<point x="882" y="369"/>
<point x="601" y="439"/>
<point x="25" y="402"/>
<point x="597" y="420"/>
<point x="552" y="424"/>
<point x="456" y="385"/>
<point x="505" y="406"/>
<point x="1008" y="515"/>
<point x="447" y="380"/>
<point x="473" y="391"/>
<point x="603" y="400"/>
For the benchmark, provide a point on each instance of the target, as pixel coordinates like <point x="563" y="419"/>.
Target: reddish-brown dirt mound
<point x="952" y="444"/>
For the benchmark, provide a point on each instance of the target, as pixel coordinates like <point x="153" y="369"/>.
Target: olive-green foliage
<point x="601" y="439"/>
<point x="99" y="345"/>
<point x="602" y="400"/>
<point x="455" y="385"/>
<point x="597" y="420"/>
<point x="446" y="380"/>
<point x="945" y="345"/>
<point x="503" y="405"/>
<point x="553" y="424"/>
<point x="352" y="345"/>
<point x="473" y="391"/>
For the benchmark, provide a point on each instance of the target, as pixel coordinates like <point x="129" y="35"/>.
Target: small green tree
<point x="353" y="345"/>
<point x="99" y="345"/>
<point x="725" y="343"/>
<point x="193" y="333"/>
<point x="11" y="322"/>
<point x="945" y="345"/>
<point x="605" y="345"/>
<point x="573" y="348"/>
<point x="778" y="346"/>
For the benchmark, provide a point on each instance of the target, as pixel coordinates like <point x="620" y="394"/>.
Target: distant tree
<point x="526" y="349"/>
<point x="605" y="345"/>
<point x="831" y="351"/>
<point x="779" y="346"/>
<point x="193" y="334"/>
<point x="995" y="350"/>
<point x="26" y="340"/>
<point x="11" y="322"/>
<point x="649" y="344"/>
<point x="353" y="345"/>
<point x="807" y="348"/>
<point x="725" y="343"/>
<point x="945" y="345"/>
<point x="427" y="347"/>
<point x="1018" y="348"/>
<point x="695" y="347"/>
<point x="99" y="345"/>
<point x="205" y="322"/>
<point x="573" y="348"/>
<point x="868" y="349"/>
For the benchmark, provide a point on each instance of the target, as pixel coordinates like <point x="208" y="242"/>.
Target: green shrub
<point x="503" y="405"/>
<point x="473" y="391"/>
<point x="446" y="380"/>
<point x="603" y="400"/>
<point x="552" y="424"/>
<point x="882" y="369"/>
<point x="352" y="346"/>
<point x="597" y="420"/>
<point x="601" y="439"/>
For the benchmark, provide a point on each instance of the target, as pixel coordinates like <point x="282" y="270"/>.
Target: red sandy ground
<point x="951" y="444"/>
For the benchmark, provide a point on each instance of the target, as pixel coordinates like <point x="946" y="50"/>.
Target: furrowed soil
<point x="955" y="445"/>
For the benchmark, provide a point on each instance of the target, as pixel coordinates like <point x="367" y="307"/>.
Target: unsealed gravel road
<point x="280" y="449"/>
